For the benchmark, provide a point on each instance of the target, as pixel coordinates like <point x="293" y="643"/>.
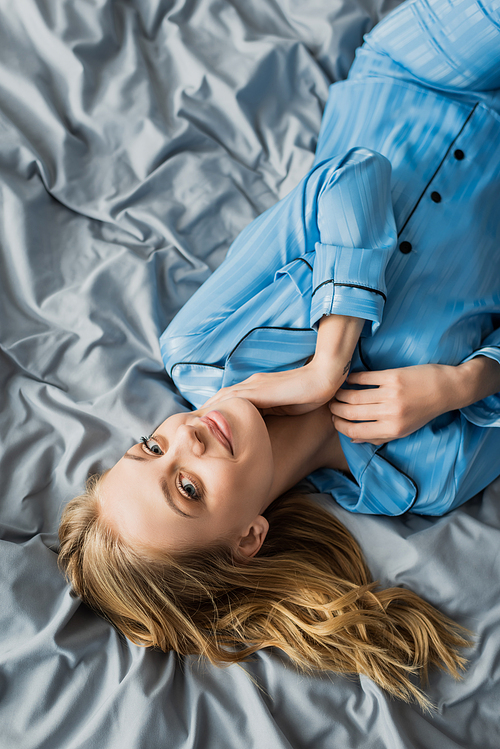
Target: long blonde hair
<point x="308" y="592"/>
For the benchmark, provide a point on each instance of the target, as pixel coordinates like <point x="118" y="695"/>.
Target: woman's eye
<point x="188" y="488"/>
<point x="151" y="446"/>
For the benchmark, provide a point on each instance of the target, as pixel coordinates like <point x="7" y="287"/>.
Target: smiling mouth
<point x="219" y="428"/>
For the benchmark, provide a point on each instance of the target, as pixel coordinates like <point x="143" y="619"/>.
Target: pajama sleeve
<point x="339" y="219"/>
<point x="450" y="46"/>
<point x="357" y="236"/>
<point x="486" y="412"/>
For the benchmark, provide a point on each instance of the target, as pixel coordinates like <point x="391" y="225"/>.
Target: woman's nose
<point x="186" y="437"/>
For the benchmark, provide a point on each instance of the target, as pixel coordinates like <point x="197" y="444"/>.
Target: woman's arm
<point x="298" y="391"/>
<point x="345" y="212"/>
<point x="400" y="401"/>
<point x="337" y="339"/>
<point x="339" y="220"/>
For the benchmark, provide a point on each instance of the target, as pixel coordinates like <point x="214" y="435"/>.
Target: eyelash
<point x="195" y="498"/>
<point x="145" y="441"/>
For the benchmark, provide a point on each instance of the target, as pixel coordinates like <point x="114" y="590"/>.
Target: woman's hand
<point x="399" y="402"/>
<point x="290" y="393"/>
<point x="298" y="391"/>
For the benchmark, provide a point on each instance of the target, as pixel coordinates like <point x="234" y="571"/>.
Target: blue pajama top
<point x="398" y="222"/>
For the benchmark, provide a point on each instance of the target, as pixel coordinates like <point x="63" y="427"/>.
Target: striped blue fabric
<point x="397" y="223"/>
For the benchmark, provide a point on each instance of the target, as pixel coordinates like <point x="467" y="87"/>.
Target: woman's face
<point x="202" y="476"/>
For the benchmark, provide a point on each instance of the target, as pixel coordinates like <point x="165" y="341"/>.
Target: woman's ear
<point x="249" y="544"/>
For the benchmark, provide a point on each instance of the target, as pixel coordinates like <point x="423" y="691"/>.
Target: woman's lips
<point x="219" y="428"/>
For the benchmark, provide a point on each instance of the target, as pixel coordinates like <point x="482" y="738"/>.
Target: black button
<point x="405" y="247"/>
<point x="459" y="154"/>
<point x="436" y="197"/>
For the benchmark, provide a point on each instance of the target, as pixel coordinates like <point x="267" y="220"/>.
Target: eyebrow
<point x="131" y="456"/>
<point x="163" y="486"/>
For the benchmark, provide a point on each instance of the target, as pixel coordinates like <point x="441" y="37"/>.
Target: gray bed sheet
<point x="136" y="140"/>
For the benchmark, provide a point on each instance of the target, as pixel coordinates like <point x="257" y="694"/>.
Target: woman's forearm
<point x="294" y="392"/>
<point x="470" y="382"/>
<point x="337" y="339"/>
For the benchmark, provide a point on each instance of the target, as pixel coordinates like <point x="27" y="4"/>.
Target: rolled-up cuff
<point x="359" y="266"/>
<point x="337" y="299"/>
<point x="348" y="281"/>
<point x="486" y="412"/>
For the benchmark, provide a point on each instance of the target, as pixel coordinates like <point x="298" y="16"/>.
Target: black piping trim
<point x="351" y="286"/>
<point x="259" y="327"/>
<point x="194" y="364"/>
<point x="266" y="327"/>
<point x="305" y="261"/>
<point x="407" y="509"/>
<point x="437" y="170"/>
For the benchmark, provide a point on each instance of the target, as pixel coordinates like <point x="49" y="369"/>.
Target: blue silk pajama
<point x="398" y="222"/>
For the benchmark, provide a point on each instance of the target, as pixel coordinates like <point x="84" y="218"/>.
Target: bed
<point x="138" y="137"/>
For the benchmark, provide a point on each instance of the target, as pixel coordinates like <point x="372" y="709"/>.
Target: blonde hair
<point x="308" y="592"/>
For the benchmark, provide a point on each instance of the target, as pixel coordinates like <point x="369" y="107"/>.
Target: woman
<point x="191" y="542"/>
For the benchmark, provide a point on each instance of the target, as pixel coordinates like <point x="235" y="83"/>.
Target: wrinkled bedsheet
<point x="137" y="138"/>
